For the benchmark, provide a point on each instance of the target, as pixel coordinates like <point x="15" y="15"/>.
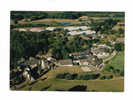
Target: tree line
<point x="35" y="15"/>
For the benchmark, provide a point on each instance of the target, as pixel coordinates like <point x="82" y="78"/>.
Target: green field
<point x="115" y="85"/>
<point x="52" y="84"/>
<point x="117" y="61"/>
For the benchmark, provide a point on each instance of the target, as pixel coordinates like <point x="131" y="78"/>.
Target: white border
<point x="63" y="5"/>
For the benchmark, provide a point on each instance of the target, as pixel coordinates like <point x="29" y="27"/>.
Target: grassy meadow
<point x="117" y="61"/>
<point x="51" y="83"/>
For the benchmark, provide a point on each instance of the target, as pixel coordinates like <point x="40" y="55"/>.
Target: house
<point x="65" y="62"/>
<point x="27" y="74"/>
<point x="36" y="29"/>
<point x="83" y="62"/>
<point x="22" y="30"/>
<point x="43" y="65"/>
<point x="32" y="62"/>
<point x="76" y="61"/>
<point x="101" y="51"/>
<point x="83" y="18"/>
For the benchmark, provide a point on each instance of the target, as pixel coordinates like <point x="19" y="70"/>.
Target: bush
<point x="74" y="76"/>
<point x="102" y="78"/>
<point x="109" y="68"/>
<point x="60" y="76"/>
<point x="79" y="77"/>
<point x="119" y="46"/>
<point x="122" y="73"/>
<point x="88" y="76"/>
<point x="109" y="77"/>
<point x="106" y="77"/>
<point x="68" y="77"/>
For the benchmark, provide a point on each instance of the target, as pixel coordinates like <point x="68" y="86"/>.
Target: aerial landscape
<point x="67" y="51"/>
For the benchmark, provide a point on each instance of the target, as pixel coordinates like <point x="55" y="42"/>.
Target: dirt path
<point x="112" y="55"/>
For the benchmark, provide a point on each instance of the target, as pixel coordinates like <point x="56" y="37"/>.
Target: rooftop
<point x="65" y="62"/>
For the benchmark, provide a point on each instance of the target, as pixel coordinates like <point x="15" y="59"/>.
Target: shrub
<point x="74" y="76"/>
<point x="109" y="68"/>
<point x="122" y="73"/>
<point x="117" y="70"/>
<point x="88" y="76"/>
<point x="60" y="76"/>
<point x="102" y="78"/>
<point x="79" y="77"/>
<point x="109" y="77"/>
<point x="68" y="77"/>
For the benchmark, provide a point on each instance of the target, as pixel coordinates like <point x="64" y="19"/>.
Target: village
<point x="91" y="58"/>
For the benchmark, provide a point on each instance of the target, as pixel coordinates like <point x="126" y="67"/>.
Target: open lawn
<point x="52" y="84"/>
<point x="117" y="61"/>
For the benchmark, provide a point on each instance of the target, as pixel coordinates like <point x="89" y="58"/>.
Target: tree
<point x="122" y="73"/>
<point x="68" y="77"/>
<point x="102" y="78"/>
<point x="121" y="31"/>
<point x="109" y="77"/>
<point x="119" y="46"/>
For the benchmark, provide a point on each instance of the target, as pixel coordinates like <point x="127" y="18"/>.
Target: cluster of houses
<point x="35" y="66"/>
<point x="101" y="51"/>
<point x="85" y="58"/>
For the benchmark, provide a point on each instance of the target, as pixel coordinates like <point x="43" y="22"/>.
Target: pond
<point x="65" y="23"/>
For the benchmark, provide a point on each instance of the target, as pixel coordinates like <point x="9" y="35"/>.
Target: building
<point x="32" y="62"/>
<point x="65" y="62"/>
<point x="75" y="28"/>
<point x="120" y="40"/>
<point x="88" y="32"/>
<point x="85" y="38"/>
<point x="83" y="62"/>
<point x="36" y="29"/>
<point x="83" y="18"/>
<point x="101" y="51"/>
<point x="50" y="28"/>
<point x="22" y="30"/>
<point x="27" y="74"/>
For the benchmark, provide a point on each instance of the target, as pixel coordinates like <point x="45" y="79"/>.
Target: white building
<point x="81" y="32"/>
<point x="22" y="30"/>
<point x="75" y="28"/>
<point x="50" y="28"/>
<point x="36" y="29"/>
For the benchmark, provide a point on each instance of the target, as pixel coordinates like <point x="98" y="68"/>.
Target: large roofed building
<point x="65" y="62"/>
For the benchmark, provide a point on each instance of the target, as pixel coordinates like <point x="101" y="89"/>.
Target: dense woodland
<point x="26" y="44"/>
